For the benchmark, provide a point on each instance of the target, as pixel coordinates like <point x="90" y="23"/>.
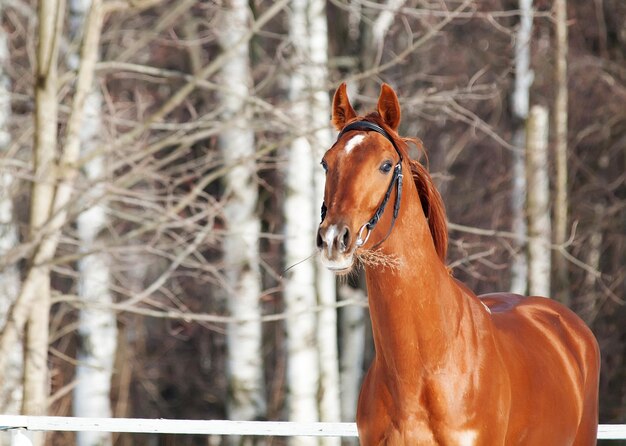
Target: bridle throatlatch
<point x="396" y="180"/>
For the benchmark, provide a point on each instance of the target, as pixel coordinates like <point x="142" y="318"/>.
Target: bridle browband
<point x="396" y="180"/>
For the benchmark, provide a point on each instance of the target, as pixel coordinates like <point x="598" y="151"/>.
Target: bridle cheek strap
<point x="396" y="180"/>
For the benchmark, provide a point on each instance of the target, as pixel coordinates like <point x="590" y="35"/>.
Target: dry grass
<point x="376" y="258"/>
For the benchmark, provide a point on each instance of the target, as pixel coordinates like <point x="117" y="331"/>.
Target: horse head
<point x="364" y="180"/>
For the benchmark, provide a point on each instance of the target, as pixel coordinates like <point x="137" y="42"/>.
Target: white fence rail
<point x="212" y="427"/>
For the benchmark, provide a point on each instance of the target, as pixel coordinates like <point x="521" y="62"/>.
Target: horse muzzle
<point x="335" y="245"/>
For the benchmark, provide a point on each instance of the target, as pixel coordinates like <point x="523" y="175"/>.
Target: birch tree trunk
<point x="329" y="404"/>
<point x="300" y="293"/>
<point x="538" y="203"/>
<point x="97" y="329"/>
<point x="374" y="38"/>
<point x="352" y="353"/>
<point x="562" y="291"/>
<point x="589" y="307"/>
<point x="520" y="101"/>
<point x="313" y="368"/>
<point x="11" y="391"/>
<point x="383" y="23"/>
<point x="50" y="13"/>
<point x="241" y="243"/>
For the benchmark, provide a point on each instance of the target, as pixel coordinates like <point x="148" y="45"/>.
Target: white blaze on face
<point x="331" y="232"/>
<point x="353" y="142"/>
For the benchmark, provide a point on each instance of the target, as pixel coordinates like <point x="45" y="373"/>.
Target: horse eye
<point x="385" y="167"/>
<point x="324" y="166"/>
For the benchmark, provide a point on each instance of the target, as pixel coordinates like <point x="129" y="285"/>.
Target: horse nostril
<point x="344" y="239"/>
<point x="319" y="241"/>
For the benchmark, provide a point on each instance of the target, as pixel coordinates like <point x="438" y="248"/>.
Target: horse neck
<point x="414" y="305"/>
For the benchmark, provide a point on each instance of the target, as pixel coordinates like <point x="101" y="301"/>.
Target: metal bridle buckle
<point x="359" y="239"/>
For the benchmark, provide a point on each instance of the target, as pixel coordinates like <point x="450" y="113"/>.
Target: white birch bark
<point x="241" y="243"/>
<point x="11" y="391"/>
<point x="560" y="142"/>
<point x="300" y="293"/>
<point x="97" y="327"/>
<point x="329" y="404"/>
<point x="520" y="103"/>
<point x="523" y="74"/>
<point x="352" y="351"/>
<point x="538" y="203"/>
<point x="519" y="265"/>
<point x="590" y="305"/>
<point x="354" y="19"/>
<point x="375" y="35"/>
<point x="384" y="20"/>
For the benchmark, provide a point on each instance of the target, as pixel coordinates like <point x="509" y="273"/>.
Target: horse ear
<point x="342" y="110"/>
<point x="389" y="107"/>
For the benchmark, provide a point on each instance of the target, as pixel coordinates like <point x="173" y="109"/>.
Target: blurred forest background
<point x="160" y="192"/>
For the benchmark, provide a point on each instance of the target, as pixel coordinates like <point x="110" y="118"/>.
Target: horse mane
<point x="431" y="200"/>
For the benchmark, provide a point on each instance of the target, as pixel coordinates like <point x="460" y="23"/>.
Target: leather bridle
<point x="396" y="180"/>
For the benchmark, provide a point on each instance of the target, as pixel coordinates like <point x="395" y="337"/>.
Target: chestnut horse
<point x="450" y="368"/>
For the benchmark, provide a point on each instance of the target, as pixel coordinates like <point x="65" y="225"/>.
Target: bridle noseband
<point x="396" y="180"/>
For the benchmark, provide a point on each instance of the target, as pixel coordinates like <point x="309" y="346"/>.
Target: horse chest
<point x="435" y="415"/>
